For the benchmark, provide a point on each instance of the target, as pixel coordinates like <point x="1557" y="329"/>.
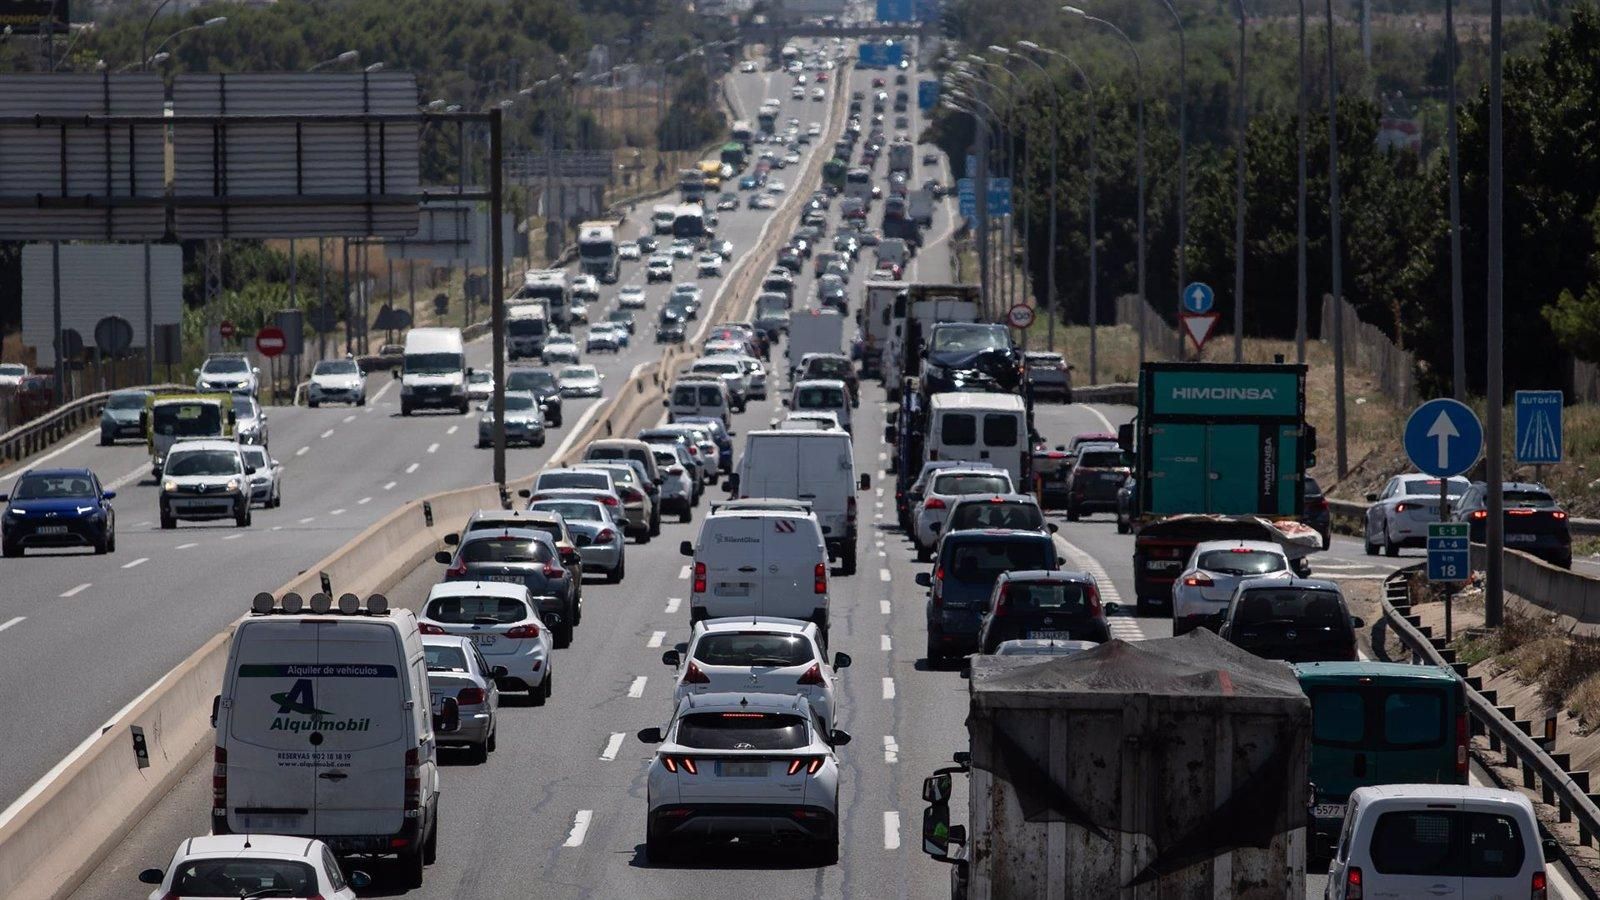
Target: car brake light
<point x="1352" y="883"/>
<point x="820" y="579"/>
<point x="699" y="578"/>
<point x="1557" y="514"/>
<point x="1402" y="507"/>
<point x="934" y="503"/>
<point x="694" y="451"/>
<point x="219" y="782"/>
<point x="1199" y="581"/>
<point x="670" y="763"/>
<point x="812" y="675"/>
<point x="812" y="765"/>
<point x="609" y="500"/>
<point x="1094" y="601"/>
<point x="693" y="675"/>
<point x="523" y="631"/>
<point x="1463" y="737"/>
<point x="1321" y="504"/>
<point x="605" y="536"/>
<point x="632" y="495"/>
<point x="413" y="772"/>
<point x="1540" y="885"/>
<point x="1480" y="514"/>
<point x="429" y="628"/>
<point x="471" y="696"/>
<point x="1519" y="512"/>
<point x="552" y="570"/>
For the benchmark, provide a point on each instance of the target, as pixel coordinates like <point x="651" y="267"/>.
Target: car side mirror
<point x="665" y="402"/>
<point x="865" y="482"/>
<point x="452" y="539"/>
<point x="1052" y="527"/>
<point x="1061" y="560"/>
<point x="469" y="371"/>
<point x="671" y="658"/>
<point x="1372" y="498"/>
<point x="838" y="738"/>
<point x="359" y="879"/>
<point x="249" y="470"/>
<point x="499" y="672"/>
<point x="841" y="660"/>
<point x="1301" y="567"/>
<point x="1551" y="852"/>
<point x="1357" y="622"/>
<point x="686" y="548"/>
<point x="109" y="495"/>
<point x="891" y="434"/>
<point x="785" y="402"/>
<point x="254" y="371"/>
<point x="650" y="736"/>
<point x="925" y="579"/>
<point x="733" y="481"/>
<point x="216" y="705"/>
<point x="442" y="557"/>
<point x="152" y="876"/>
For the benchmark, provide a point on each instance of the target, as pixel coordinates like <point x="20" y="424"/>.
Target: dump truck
<point x="1170" y="768"/>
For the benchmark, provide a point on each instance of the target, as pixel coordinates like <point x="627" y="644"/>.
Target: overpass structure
<point x="778" y="33"/>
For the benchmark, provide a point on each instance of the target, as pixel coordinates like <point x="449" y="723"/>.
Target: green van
<point x="1378" y="723"/>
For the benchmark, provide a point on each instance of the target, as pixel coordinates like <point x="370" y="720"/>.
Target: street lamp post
<point x="1458" y="316"/>
<point x="1300" y="202"/>
<point x="1055" y="141"/>
<point x="1336" y="261"/>
<point x="1183" y="163"/>
<point x="209" y="23"/>
<point x="1238" y="202"/>
<point x="1008" y="274"/>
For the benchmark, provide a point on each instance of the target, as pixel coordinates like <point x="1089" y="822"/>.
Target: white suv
<point x="227" y="372"/>
<point x="944" y="489"/>
<point x="759" y="653"/>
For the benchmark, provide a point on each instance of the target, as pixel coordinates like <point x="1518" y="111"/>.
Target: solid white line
<point x="302" y="451"/>
<point x="349" y="419"/>
<point x="363" y="501"/>
<point x="883" y="575"/>
<point x="883" y="607"/>
<point x="452" y="429"/>
<point x="325" y="434"/>
<point x="185" y="546"/>
<point x="656" y="639"/>
<point x="433" y="448"/>
<point x="891" y="830"/>
<point x="891" y="749"/>
<point x="379" y="395"/>
<point x="129" y="479"/>
<point x="1098" y="415"/>
<point x="636" y="690"/>
<point x="888" y="688"/>
<point x="77" y="590"/>
<point x="336" y="512"/>
<point x="413" y="467"/>
<point x="612" y="746"/>
<point x="144" y="524"/>
<point x="672" y="604"/>
<point x="136" y="563"/>
<point x="33" y="463"/>
<point x="885" y="643"/>
<point x="390" y="485"/>
<point x="580" y="827"/>
<point x="13" y="621"/>
<point x="684" y="572"/>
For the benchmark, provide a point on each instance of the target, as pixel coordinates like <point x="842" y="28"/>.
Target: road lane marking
<point x="612" y="747"/>
<point x="891" y="830"/>
<point x="381" y="391"/>
<point x="13" y="621"/>
<point x="136" y="563"/>
<point x="888" y="688"/>
<point x="302" y="451"/>
<point x="656" y="639"/>
<point x="1108" y="590"/>
<point x="452" y="429"/>
<point x="672" y="604"/>
<point x="580" y="827"/>
<point x="307" y="519"/>
<point x="413" y="467"/>
<point x="186" y="546"/>
<point x="891" y="749"/>
<point x="433" y="448"/>
<point x="883" y="575"/>
<point x="636" y="690"/>
<point x="73" y="592"/>
<point x="144" y="524"/>
<point x="129" y="479"/>
<point x="34" y="463"/>
<point x="390" y="485"/>
<point x="363" y="501"/>
<point x="883" y="607"/>
<point x="683" y="573"/>
<point x="336" y="512"/>
<point x="233" y="537"/>
<point x="885" y="643"/>
<point x="1098" y="415"/>
<point x="327" y="434"/>
<point x="349" y="419"/>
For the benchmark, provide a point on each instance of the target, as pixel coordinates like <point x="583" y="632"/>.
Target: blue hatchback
<point x="58" y="508"/>
<point x="965" y="570"/>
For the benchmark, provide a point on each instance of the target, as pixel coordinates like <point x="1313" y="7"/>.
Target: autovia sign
<point x="1226" y="393"/>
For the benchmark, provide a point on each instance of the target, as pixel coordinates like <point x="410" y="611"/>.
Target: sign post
<point x="1449" y="559"/>
<point x="1195" y="318"/>
<point x="1444" y="438"/>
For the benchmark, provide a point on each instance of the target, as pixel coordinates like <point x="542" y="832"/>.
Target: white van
<point x="817" y="467"/>
<point x="759" y="562"/>
<point x="705" y="396"/>
<point x="822" y="395"/>
<point x="324" y="730"/>
<point x="527" y="326"/>
<point x="662" y="216"/>
<point x="971" y="426"/>
<point x="434" y="371"/>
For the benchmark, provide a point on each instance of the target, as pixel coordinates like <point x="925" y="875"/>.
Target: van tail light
<point x="219" y="782"/>
<point x="694" y="675"/>
<point x="1199" y="581"/>
<point x="820" y="579"/>
<point x="699" y="578"/>
<point x="812" y="764"/>
<point x="1558" y="515"/>
<point x="429" y="628"/>
<point x="1480" y="514"/>
<point x="605" y="536"/>
<point x="1352" y="883"/>
<point x="933" y="503"/>
<point x="1540" y="886"/>
<point x="522" y="632"/>
<point x="413" y="804"/>
<point x="472" y="696"/>
<point x="812" y="676"/>
<point x="850" y="510"/>
<point x="552" y="569"/>
<point x="1463" y="737"/>
<point x="1094" y="602"/>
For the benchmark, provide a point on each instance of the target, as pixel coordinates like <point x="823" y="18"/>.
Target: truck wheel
<point x="1072" y="512"/>
<point x="564" y="635"/>
<point x="936" y="659"/>
<point x="12" y="552"/>
<point x="686" y="514"/>
<point x="655" y="522"/>
<point x="1122" y="526"/>
<point x="850" y="559"/>
<point x="430" y="844"/>
<point x="411" y="865"/>
<point x="242" y="517"/>
<point x="313" y="403"/>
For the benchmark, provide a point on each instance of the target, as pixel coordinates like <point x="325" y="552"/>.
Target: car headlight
<point x="13" y="512"/>
<point x="405" y="388"/>
<point x="169" y="486"/>
<point x="233" y="484"/>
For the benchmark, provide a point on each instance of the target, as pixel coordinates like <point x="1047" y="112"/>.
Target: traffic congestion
<point x="832" y="606"/>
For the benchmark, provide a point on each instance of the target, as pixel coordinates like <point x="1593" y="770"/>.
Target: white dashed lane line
<point x="136" y="563"/>
<point x="452" y="429"/>
<point x="885" y="643"/>
<point x="891" y="830"/>
<point x="336" y="512"/>
<point x="73" y="592"/>
<point x="13" y="621"/>
<point x="433" y="448"/>
<point x="185" y="546"/>
<point x="302" y="451"/>
<point x="883" y="607"/>
<point x="307" y="519"/>
<point x="891" y="749"/>
<point x="233" y="537"/>
<point x="683" y="573"/>
<point x="888" y="688"/>
<point x="390" y="485"/>
<point x="349" y="419"/>
<point x="636" y="690"/>
<point x="656" y="639"/>
<point x="363" y="501"/>
<point x="613" y="746"/>
<point x="580" y="828"/>
<point x="327" y="434"/>
<point x="883" y="575"/>
<point x="413" y="467"/>
<point x="672" y="604"/>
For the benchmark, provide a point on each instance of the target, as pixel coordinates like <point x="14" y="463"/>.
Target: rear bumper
<point x="760" y="821"/>
<point x="405" y="840"/>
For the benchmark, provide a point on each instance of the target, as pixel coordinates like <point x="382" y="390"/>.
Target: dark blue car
<point x="58" y="508"/>
<point x="964" y="573"/>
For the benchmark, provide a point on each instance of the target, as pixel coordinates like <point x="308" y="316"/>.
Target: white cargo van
<point x="662" y="216"/>
<point x="822" y="395"/>
<point x="527" y="326"/>
<point x="817" y="467"/>
<point x="876" y="316"/>
<point x="434" y="371"/>
<point x="813" y="330"/>
<point x="971" y="426"/>
<point x="324" y="730"/>
<point x="759" y="562"/>
<point x="704" y="396"/>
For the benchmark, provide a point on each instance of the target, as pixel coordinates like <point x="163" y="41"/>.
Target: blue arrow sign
<point x="1198" y="297"/>
<point x="1539" y="415"/>
<point x="1443" y="438"/>
<point x="966" y="197"/>
<point x="999" y="196"/>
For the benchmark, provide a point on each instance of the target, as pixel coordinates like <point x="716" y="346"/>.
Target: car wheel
<point x="313" y="403"/>
<point x="10" y="552"/>
<point x="242" y="517"/>
<point x="1122" y="526"/>
<point x="411" y="865"/>
<point x="1072" y="512"/>
<point x="657" y="849"/>
<point x="1367" y="545"/>
<point x="827" y="851"/>
<point x="105" y="439"/>
<point x="405" y="408"/>
<point x="564" y="635"/>
<point x="655" y="522"/>
<point x="933" y="656"/>
<point x="168" y="522"/>
<point x="483" y="445"/>
<point x="478" y="754"/>
<point x="362" y="401"/>
<point x="430" y="844"/>
<point x="540" y="692"/>
<point x="615" y="575"/>
<point x="924" y="554"/>
<point x="850" y="559"/>
<point x="1389" y="547"/>
<point x="493" y="743"/>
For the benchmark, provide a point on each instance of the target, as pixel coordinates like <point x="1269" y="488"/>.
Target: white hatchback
<point x="503" y="621"/>
<point x="254" y="865"/>
<point x="1200" y="594"/>
<point x="942" y="491"/>
<point x="758" y="653"/>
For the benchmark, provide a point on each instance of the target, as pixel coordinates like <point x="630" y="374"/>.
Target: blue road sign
<point x="1443" y="438"/>
<point x="927" y="94"/>
<point x="1198" y="297"/>
<point x="999" y="196"/>
<point x="1449" y="554"/>
<point x="966" y="197"/>
<point x="1539" y="416"/>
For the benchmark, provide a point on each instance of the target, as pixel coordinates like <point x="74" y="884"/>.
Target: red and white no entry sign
<point x="227" y="330"/>
<point x="270" y="341"/>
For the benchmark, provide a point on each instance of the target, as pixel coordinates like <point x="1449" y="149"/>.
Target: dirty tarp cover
<point x="1198" y="664"/>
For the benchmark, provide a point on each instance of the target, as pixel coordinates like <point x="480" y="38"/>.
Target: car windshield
<point x="578" y="372"/>
<point x="572" y="511"/>
<point x="819" y="398"/>
<point x="445" y="659"/>
<point x="557" y="480"/>
<point x="432" y="363"/>
<point x="478" y="377"/>
<point x="203" y="462"/>
<point x="971" y="484"/>
<point x="336" y="367"/>
<point x="505" y="550"/>
<point x="1314" y="608"/>
<point x="226" y="366"/>
<point x="1058" y="596"/>
<point x="1240" y="561"/>
<point x="1429" y="487"/>
<point x="967" y="338"/>
<point x="476" y="610"/>
<point x="49" y="487"/>
<point x="984" y="560"/>
<point x="244" y="877"/>
<point x="1530" y="499"/>
<point x="985" y="514"/>
<point x="829" y="367"/>
<point x="125" y="401"/>
<point x="529" y="380"/>
<point x="13" y="369"/>
<point x="519" y="402"/>
<point x="753" y="649"/>
<point x="243" y="408"/>
<point x="742" y="731"/>
<point x="1104" y="459"/>
<point x="187" y="419"/>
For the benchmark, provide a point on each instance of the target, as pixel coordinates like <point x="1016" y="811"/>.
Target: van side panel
<point x="265" y="703"/>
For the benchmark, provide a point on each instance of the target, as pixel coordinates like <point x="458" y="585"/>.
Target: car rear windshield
<point x="1438" y="842"/>
<point x="244" y="878"/>
<point x="757" y="649"/>
<point x="984" y="560"/>
<point x="1530" y="499"/>
<point x="1006" y="514"/>
<point x="829" y="368"/>
<point x="971" y="484"/>
<point x="445" y="659"/>
<point x="1104" y="459"/>
<point x="742" y="731"/>
<point x="1430" y="487"/>
<point x="476" y="611"/>
<point x="557" y="480"/>
<point x="818" y="398"/>
<point x="1241" y="562"/>
<point x="571" y="511"/>
<point x="1303" y="607"/>
<point x="505" y="550"/>
<point x="1048" y="596"/>
<point x="530" y="380"/>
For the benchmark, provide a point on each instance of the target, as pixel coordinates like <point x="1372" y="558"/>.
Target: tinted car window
<point x="818" y="398"/>
<point x="1241" y="562"/>
<point x="1065" y="597"/>
<point x="959" y="429"/>
<point x="241" y="877"/>
<point x="1104" y="459"/>
<point x="1313" y="608"/>
<point x="1414" y="718"/>
<point x="742" y="731"/>
<point x="709" y="396"/>
<point x="1447" y="842"/>
<point x="504" y="550"/>
<point x="1020" y="516"/>
<point x="38" y="487"/>
<point x="1337" y="716"/>
<point x="475" y="611"/>
<point x="1534" y="499"/>
<point x="445" y="659"/>
<point x="554" y="480"/>
<point x="1000" y="431"/>
<point x="753" y="650"/>
<point x="571" y="511"/>
<point x="971" y="484"/>
<point x="204" y="462"/>
<point x="985" y="560"/>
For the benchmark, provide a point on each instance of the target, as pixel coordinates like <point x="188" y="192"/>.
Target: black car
<point x="1049" y="375"/>
<point x="790" y="259"/>
<point x="521" y="556"/>
<point x="961" y="352"/>
<point x="1314" y="511"/>
<point x="1062" y="606"/>
<point x="647" y="243"/>
<point x="1301" y="620"/>
<point x="1095" y="479"/>
<point x="1535" y="522"/>
<point x="670" y="330"/>
<point x="542" y="384"/>
<point x="58" y="508"/>
<point x="964" y="574"/>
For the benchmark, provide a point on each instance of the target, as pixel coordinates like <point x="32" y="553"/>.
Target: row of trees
<point x="1396" y="254"/>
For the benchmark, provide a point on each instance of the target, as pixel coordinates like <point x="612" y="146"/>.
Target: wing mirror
<point x="442" y="557"/>
<point x="1372" y="498"/>
<point x="109" y="495"/>
<point x="650" y="736"/>
<point x="686" y="548"/>
<point x="1357" y="622"/>
<point x="838" y="738"/>
<point x="865" y="482"/>
<point x="671" y="658"/>
<point x="924" y="579"/>
<point x="152" y="876"/>
<point x="841" y="660"/>
<point x="452" y="539"/>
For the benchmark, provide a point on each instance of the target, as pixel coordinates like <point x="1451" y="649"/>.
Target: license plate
<point x="1050" y="635"/>
<point x="1522" y="538"/>
<point x="742" y="769"/>
<point x="739" y="589"/>
<point x="509" y="579"/>
<point x="52" y="529"/>
<point x="1163" y="564"/>
<point x="270" y="824"/>
<point x="1328" y="810"/>
<point x="482" y="640"/>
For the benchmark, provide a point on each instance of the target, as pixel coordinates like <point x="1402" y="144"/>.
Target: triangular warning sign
<point x="1198" y="326"/>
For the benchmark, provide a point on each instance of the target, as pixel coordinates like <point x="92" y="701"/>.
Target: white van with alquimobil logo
<point x="759" y="562"/>
<point x="324" y="730"/>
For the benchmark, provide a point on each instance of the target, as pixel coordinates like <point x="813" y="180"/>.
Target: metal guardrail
<point x="1568" y="792"/>
<point x="32" y="437"/>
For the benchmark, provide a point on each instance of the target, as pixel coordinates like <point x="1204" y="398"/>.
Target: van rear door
<point x="361" y="757"/>
<point x="271" y="771"/>
<point x="790" y="556"/>
<point x="770" y="467"/>
<point x="1373" y="730"/>
<point x="826" y="473"/>
<point x="730" y="549"/>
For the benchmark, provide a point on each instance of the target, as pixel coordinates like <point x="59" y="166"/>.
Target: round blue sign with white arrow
<point x="1443" y="438"/>
<point x="1198" y="297"/>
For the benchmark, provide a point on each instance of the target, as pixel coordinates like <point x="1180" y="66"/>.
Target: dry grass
<point x="1565" y="667"/>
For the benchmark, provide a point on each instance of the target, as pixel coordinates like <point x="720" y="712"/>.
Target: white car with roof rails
<point x="763" y="654"/>
<point x="266" y="482"/>
<point x="732" y="374"/>
<point x="204" y="480"/>
<point x="503" y="621"/>
<point x="314" y="688"/>
<point x="941" y="492"/>
<point x="464" y="696"/>
<point x="677" y="485"/>
<point x="811" y="420"/>
<point x="254" y="865"/>
<point x="579" y="381"/>
<point x="757" y="562"/>
<point x="821" y="395"/>
<point x="597" y="531"/>
<point x="1398" y="516"/>
<point x="743" y="765"/>
<point x="561" y="348"/>
<point x="1201" y="593"/>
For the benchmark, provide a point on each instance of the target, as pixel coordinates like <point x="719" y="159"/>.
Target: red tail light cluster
<point x="1539" y="887"/>
<point x="699" y="578"/>
<point x="413" y="783"/>
<point x="1480" y="514"/>
<point x="605" y="536"/>
<point x="1002" y="603"/>
<point x="609" y="500"/>
<point x="812" y="676"/>
<point x="1402" y="507"/>
<point x="219" y="782"/>
<point x="1199" y="581"/>
<point x="471" y="696"/>
<point x="684" y="762"/>
<point x="1463" y="738"/>
<point x="820" y="579"/>
<point x="1094" y="601"/>
<point x="1352" y="884"/>
<point x="429" y="628"/>
<point x="523" y="632"/>
<point x="694" y="675"/>
<point x="933" y="503"/>
<point x="459" y="567"/>
<point x="850" y="510"/>
<point x="552" y="569"/>
<point x="812" y="764"/>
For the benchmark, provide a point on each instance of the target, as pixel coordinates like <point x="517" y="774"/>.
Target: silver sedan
<point x="598" y="536"/>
